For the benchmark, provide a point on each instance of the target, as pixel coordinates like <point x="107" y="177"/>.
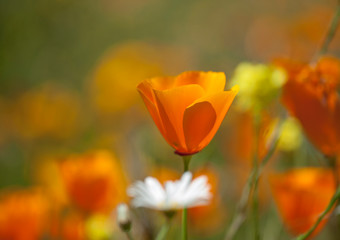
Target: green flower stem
<point x="241" y="210"/>
<point x="333" y="164"/>
<point x="186" y="161"/>
<point x="255" y="202"/>
<point x="129" y="235"/>
<point x="321" y="217"/>
<point x="166" y="226"/>
<point x="331" y="31"/>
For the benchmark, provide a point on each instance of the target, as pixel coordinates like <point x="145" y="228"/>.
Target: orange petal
<point x="152" y="108"/>
<point x="314" y="115"/>
<point x="171" y="105"/>
<point x="158" y="83"/>
<point x="211" y="82"/>
<point x="221" y="103"/>
<point x="145" y="89"/>
<point x="198" y="121"/>
<point x="301" y="195"/>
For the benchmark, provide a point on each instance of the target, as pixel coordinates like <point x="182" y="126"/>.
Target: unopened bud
<point x="123" y="217"/>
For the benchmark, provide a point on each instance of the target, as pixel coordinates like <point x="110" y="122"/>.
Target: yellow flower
<point x="259" y="84"/>
<point x="117" y="73"/>
<point x="48" y="111"/>
<point x="290" y="135"/>
<point x="99" y="227"/>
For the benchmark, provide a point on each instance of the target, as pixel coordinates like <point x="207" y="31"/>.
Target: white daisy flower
<point x="183" y="193"/>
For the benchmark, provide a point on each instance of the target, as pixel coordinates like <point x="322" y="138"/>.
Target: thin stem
<point x="129" y="235"/>
<point x="331" y="31"/>
<point x="333" y="164"/>
<point x="241" y="209"/>
<point x="165" y="228"/>
<point x="255" y="204"/>
<point x="186" y="161"/>
<point x="321" y="217"/>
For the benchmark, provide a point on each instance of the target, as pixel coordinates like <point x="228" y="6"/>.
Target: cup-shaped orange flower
<point x="94" y="182"/>
<point x="23" y="215"/>
<point x="301" y="195"/>
<point x="311" y="95"/>
<point x="206" y="219"/>
<point x="189" y="108"/>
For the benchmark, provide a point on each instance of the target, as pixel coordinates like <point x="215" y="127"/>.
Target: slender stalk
<point x="333" y="164"/>
<point x="166" y="226"/>
<point x="186" y="161"/>
<point x="331" y="31"/>
<point x="164" y="230"/>
<point x="321" y="217"/>
<point x="255" y="204"/>
<point x="129" y="235"/>
<point x="241" y="210"/>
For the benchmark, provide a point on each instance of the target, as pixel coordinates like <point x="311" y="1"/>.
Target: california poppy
<point x="311" y="95"/>
<point x="208" y="218"/>
<point x="24" y="214"/>
<point x="94" y="182"/>
<point x="187" y="109"/>
<point x="301" y="195"/>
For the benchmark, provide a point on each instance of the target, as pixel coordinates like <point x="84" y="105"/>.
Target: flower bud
<point x="123" y="217"/>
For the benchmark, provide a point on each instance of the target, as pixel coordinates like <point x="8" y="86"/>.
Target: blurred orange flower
<point x="187" y="109"/>
<point x="73" y="227"/>
<point x="163" y="174"/>
<point x="94" y="182"/>
<point x="203" y="218"/>
<point x="301" y="196"/>
<point x="311" y="95"/>
<point x="209" y="217"/>
<point x="23" y="215"/>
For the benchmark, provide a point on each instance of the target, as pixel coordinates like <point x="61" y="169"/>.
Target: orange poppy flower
<point x="23" y="215"/>
<point x="301" y="196"/>
<point x="187" y="109"/>
<point x="209" y="217"/>
<point x="94" y="182"/>
<point x="311" y="95"/>
<point x="203" y="218"/>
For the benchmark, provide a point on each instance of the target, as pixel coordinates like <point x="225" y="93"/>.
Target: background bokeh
<point x="68" y="76"/>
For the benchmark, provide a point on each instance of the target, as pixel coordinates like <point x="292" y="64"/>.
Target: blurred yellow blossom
<point x="95" y="182"/>
<point x="48" y="176"/>
<point x="290" y="135"/>
<point x="98" y="227"/>
<point x="48" y="111"/>
<point x="258" y="84"/>
<point x="114" y="81"/>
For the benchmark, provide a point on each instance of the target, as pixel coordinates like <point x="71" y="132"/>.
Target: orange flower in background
<point x="202" y="218"/>
<point x="73" y="227"/>
<point x="209" y="217"/>
<point x="23" y="215"/>
<point x="94" y="182"/>
<point x="311" y="95"/>
<point x="163" y="174"/>
<point x="187" y="109"/>
<point x="301" y="195"/>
